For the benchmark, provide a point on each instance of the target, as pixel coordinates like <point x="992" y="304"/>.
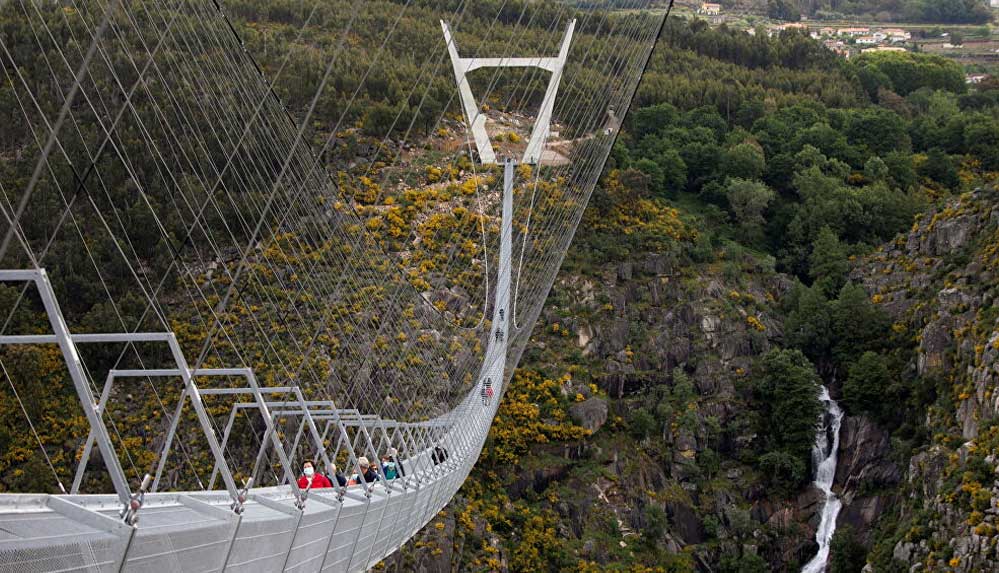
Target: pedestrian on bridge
<point x="310" y="479"/>
<point x="389" y="467"/>
<point x="394" y="457"/>
<point x="368" y="474"/>
<point x="341" y="480"/>
<point x="487" y="391"/>
<point x="392" y="466"/>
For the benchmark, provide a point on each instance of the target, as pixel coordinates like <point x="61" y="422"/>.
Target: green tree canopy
<point x="858" y="325"/>
<point x="907" y="72"/>
<point x="783" y="10"/>
<point x="846" y="554"/>
<point x="785" y="392"/>
<point x="828" y="264"/>
<point x="808" y="326"/>
<point x="867" y="384"/>
<point x="748" y="199"/>
<point x="743" y="161"/>
<point x="948" y="12"/>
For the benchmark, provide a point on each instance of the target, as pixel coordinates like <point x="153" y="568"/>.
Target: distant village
<point x="848" y="41"/>
<point x="845" y="41"/>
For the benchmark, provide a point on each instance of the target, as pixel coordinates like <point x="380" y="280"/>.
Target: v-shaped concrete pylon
<point x="477" y="120"/>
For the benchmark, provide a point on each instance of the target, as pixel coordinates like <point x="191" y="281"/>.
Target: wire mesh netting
<point x="293" y="189"/>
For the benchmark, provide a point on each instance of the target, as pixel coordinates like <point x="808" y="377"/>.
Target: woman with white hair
<point x="337" y="477"/>
<point x="368" y="473"/>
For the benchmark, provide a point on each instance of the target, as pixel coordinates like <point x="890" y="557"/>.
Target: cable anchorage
<point x="237" y="505"/>
<point x="130" y="513"/>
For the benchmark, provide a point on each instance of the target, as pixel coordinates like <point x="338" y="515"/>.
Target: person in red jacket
<point x="310" y="476"/>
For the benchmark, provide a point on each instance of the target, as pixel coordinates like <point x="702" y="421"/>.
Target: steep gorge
<point x="653" y="327"/>
<point x="669" y="349"/>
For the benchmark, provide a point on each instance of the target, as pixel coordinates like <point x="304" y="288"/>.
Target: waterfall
<point x="824" y="461"/>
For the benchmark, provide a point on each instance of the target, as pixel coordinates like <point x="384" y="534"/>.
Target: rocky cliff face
<point x="647" y="327"/>
<point x="866" y="475"/>
<point x="641" y="320"/>
<point x="633" y="328"/>
<point x="939" y="283"/>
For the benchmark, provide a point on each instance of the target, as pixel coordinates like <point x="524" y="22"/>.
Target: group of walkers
<point x="486" y="392"/>
<point x="391" y="468"/>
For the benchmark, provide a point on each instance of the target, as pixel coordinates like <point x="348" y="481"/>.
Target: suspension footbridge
<point x="202" y="287"/>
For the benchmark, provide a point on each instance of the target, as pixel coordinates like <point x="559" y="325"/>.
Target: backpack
<point x="389" y="469"/>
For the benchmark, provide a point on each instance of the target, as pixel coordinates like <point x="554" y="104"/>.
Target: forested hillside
<point x="693" y="362"/>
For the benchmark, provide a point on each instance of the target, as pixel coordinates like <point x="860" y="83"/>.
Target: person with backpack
<point x="389" y="469"/>
<point x="392" y="465"/>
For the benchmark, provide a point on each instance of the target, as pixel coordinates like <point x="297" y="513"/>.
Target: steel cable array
<point x="175" y="193"/>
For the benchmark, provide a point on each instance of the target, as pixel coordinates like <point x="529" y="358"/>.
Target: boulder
<point x="614" y="337"/>
<point x="711" y="326"/>
<point x="808" y="507"/>
<point x="584" y="335"/>
<point x="903" y="551"/>
<point x="625" y="271"/>
<point x="936" y="341"/>
<point x="657" y="264"/>
<point x="950" y="235"/>
<point x="926" y="470"/>
<point x="590" y="414"/>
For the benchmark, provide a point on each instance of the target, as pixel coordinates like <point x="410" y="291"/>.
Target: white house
<point x="854" y="31"/>
<point x="897" y="34"/>
<point x="710" y="9"/>
<point x="838" y="46"/>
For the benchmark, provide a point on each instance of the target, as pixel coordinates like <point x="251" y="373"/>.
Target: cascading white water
<point x="824" y="461"/>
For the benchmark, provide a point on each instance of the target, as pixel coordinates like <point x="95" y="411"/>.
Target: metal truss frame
<point x="68" y="342"/>
<point x="270" y="419"/>
<point x="343" y="419"/>
<point x="473" y="114"/>
<point x="220" y="465"/>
